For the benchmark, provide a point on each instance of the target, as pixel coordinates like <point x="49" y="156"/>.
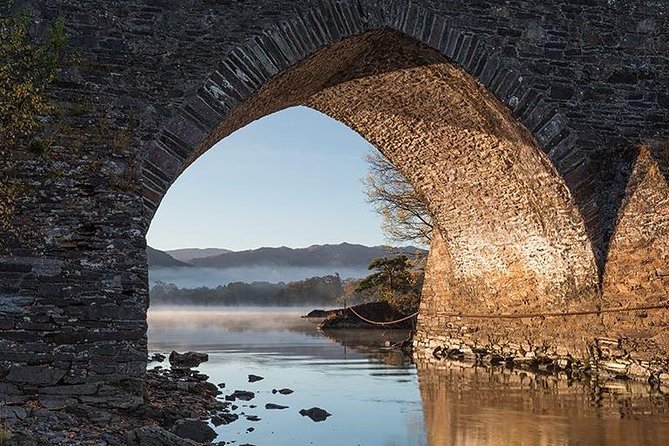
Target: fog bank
<point x="213" y="277"/>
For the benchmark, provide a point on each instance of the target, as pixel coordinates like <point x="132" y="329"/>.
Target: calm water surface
<point x="377" y="397"/>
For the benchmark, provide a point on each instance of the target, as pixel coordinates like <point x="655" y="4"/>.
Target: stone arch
<point x="250" y="65"/>
<point x="513" y="228"/>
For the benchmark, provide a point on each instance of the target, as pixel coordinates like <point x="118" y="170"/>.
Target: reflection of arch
<point x="509" y="223"/>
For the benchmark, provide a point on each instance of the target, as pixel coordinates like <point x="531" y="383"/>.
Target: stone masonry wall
<point x="155" y="83"/>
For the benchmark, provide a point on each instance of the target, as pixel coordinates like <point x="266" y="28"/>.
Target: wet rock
<point x="254" y="378"/>
<point x="242" y="395"/>
<point x="155" y="436"/>
<point x="200" y="376"/>
<point x="250" y="429"/>
<point x="157" y="357"/>
<point x="617" y="368"/>
<point x="188" y="359"/>
<point x="282" y="391"/>
<point x="253" y="418"/>
<point x="210" y="388"/>
<point x="272" y="406"/>
<point x="221" y="385"/>
<point x="224" y="418"/>
<point x="183" y="385"/>
<point x="315" y="413"/>
<point x="317" y="313"/>
<point x="194" y="429"/>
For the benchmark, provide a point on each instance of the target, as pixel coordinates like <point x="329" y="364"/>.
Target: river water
<point x="377" y="397"/>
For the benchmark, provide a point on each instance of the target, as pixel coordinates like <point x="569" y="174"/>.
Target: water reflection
<point x="382" y="345"/>
<point x="377" y="399"/>
<point x="465" y="405"/>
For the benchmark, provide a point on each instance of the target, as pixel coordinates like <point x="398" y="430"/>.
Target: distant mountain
<point x="342" y="255"/>
<point x="162" y="259"/>
<point x="188" y="254"/>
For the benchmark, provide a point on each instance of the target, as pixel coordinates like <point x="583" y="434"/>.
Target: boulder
<point x="317" y="313"/>
<point x="241" y="395"/>
<point x="282" y="391"/>
<point x="157" y="357"/>
<point x="254" y="378"/>
<point x="315" y="413"/>
<point x="188" y="359"/>
<point x="272" y="406"/>
<point x="194" y="429"/>
<point x="224" y="418"/>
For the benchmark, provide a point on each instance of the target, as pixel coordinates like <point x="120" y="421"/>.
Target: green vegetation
<point x="397" y="280"/>
<point x="316" y="290"/>
<point x="26" y="71"/>
<point x="5" y="435"/>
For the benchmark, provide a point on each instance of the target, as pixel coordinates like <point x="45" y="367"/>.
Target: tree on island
<point x="396" y="280"/>
<point x="405" y="218"/>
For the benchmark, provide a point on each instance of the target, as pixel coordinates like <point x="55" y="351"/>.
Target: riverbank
<point x="173" y="398"/>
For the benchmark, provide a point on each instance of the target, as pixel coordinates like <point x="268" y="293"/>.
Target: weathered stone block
<point x="37" y="375"/>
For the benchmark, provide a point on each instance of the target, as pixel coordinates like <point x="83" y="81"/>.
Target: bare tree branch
<point x="405" y="217"/>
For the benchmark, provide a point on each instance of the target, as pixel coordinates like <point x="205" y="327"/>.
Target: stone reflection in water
<point x="382" y="345"/>
<point x="467" y="405"/>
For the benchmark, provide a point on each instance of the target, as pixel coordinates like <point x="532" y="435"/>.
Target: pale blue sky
<point x="292" y="178"/>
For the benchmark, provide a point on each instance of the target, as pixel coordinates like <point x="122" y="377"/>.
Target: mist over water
<point x="378" y="397"/>
<point x="213" y="277"/>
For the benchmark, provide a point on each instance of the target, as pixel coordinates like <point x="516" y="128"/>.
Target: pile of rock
<point x="178" y="401"/>
<point x="607" y="358"/>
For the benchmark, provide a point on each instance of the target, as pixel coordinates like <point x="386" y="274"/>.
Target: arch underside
<point x="511" y="235"/>
<point x="514" y="235"/>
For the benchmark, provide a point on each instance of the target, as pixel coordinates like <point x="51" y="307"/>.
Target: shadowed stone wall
<point x="513" y="121"/>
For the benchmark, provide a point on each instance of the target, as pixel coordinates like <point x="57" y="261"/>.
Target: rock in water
<point x="188" y="359"/>
<point x="282" y="391"/>
<point x="254" y="378"/>
<point x="157" y="357"/>
<point x="194" y="430"/>
<point x="241" y="395"/>
<point x="317" y="313"/>
<point x="155" y="436"/>
<point x="224" y="418"/>
<point x="315" y="413"/>
<point x="275" y="406"/>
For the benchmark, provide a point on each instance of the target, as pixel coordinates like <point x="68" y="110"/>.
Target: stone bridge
<point x="535" y="131"/>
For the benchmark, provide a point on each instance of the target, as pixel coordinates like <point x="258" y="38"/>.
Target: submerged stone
<point x="315" y="413"/>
